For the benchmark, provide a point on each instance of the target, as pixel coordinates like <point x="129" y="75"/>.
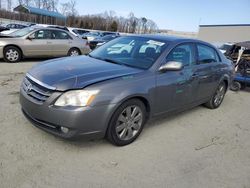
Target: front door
<point x="175" y="89"/>
<point x="39" y="45"/>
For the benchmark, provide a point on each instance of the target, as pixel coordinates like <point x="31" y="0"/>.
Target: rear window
<point x="207" y="54"/>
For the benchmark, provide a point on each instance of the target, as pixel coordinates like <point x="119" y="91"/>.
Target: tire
<point x="236" y="86"/>
<point x="12" y="54"/>
<point x="124" y="128"/>
<point x="218" y="96"/>
<point x="74" y="52"/>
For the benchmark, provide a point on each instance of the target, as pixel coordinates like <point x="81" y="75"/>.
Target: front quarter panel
<point x="116" y="91"/>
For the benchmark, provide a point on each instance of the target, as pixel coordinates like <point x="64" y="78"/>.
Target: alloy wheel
<point x="129" y="122"/>
<point x="218" y="98"/>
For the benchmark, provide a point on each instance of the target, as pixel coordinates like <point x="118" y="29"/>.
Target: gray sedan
<point x="113" y="92"/>
<point x="40" y="42"/>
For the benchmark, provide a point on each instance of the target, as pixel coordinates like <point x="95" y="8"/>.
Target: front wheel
<point x="127" y="123"/>
<point x="218" y="97"/>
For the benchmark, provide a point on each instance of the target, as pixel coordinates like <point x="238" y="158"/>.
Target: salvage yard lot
<point x="197" y="148"/>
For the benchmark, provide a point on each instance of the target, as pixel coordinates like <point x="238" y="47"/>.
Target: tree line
<point x="106" y="21"/>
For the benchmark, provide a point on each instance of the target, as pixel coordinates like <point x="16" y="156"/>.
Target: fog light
<point x="64" y="130"/>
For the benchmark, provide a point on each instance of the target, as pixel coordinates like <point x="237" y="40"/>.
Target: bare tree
<point x="9" y="5"/>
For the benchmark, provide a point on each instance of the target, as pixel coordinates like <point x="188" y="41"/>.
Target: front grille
<point x="36" y="91"/>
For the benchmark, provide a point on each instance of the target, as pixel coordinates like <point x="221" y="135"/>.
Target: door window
<point x="183" y="53"/>
<point x="207" y="54"/>
<point x="61" y="35"/>
<point x="43" y="34"/>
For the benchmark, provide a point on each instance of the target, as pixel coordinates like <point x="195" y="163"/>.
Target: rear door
<point x="40" y="45"/>
<point x="207" y="71"/>
<point x="61" y="43"/>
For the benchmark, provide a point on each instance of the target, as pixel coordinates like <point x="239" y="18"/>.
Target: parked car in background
<point x="92" y="35"/>
<point x="104" y="33"/>
<point x="3" y="28"/>
<point x="77" y="31"/>
<point x="40" y="42"/>
<point x="225" y="47"/>
<point x="112" y="95"/>
<point x="12" y="28"/>
<point x="98" y="42"/>
<point x="58" y="27"/>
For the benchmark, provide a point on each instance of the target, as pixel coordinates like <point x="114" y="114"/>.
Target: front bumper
<point x="90" y="122"/>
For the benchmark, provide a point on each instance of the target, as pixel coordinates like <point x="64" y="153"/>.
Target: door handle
<point x="195" y="75"/>
<point x="205" y="77"/>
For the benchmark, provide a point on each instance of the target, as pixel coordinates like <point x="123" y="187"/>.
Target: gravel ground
<point x="198" y="148"/>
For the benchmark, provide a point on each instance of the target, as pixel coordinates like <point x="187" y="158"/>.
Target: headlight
<point x="76" y="98"/>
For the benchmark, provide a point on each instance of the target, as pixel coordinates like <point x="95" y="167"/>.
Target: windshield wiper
<point x="105" y="59"/>
<point x="112" y="61"/>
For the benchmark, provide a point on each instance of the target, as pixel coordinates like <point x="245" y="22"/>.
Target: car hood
<point x="77" y="72"/>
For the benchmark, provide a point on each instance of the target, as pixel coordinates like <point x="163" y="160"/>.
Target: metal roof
<point x="38" y="11"/>
<point x="226" y="25"/>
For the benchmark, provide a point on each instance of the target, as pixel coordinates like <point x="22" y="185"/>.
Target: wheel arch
<point x="225" y="78"/>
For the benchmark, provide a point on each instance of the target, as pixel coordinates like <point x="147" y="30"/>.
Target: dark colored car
<point x="3" y="28"/>
<point x="99" y="42"/>
<point x="112" y="94"/>
<point x="15" y="26"/>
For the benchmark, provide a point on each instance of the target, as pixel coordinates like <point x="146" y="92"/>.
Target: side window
<point x="61" y="35"/>
<point x="43" y="34"/>
<point x="183" y="53"/>
<point x="206" y="54"/>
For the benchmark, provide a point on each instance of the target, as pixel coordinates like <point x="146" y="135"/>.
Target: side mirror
<point x="31" y="37"/>
<point x="171" y="66"/>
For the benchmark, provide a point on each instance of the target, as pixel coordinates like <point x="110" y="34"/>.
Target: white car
<point x="78" y="31"/>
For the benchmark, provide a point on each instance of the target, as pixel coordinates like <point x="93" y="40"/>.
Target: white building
<point x="224" y="33"/>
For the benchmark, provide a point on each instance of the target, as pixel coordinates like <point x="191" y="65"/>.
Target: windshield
<point x="22" y="32"/>
<point x="131" y="51"/>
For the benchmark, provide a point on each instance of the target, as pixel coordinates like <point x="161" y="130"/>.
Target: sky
<point x="179" y="15"/>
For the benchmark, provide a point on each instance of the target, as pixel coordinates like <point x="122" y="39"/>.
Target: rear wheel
<point x="12" y="54"/>
<point x="127" y="123"/>
<point x="218" y="97"/>
<point x="74" y="52"/>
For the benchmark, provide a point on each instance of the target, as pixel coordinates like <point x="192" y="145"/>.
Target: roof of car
<point x="169" y="38"/>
